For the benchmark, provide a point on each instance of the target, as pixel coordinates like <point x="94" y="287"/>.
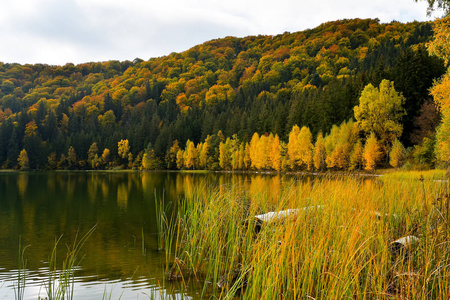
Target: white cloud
<point x="60" y="31"/>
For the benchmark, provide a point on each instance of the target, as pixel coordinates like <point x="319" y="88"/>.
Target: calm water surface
<point x="42" y="207"/>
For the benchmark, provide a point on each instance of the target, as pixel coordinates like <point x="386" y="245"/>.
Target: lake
<point x="121" y="258"/>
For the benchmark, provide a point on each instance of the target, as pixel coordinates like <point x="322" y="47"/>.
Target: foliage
<point x="397" y="154"/>
<point x="372" y="153"/>
<point x="238" y="86"/>
<point x="23" y="160"/>
<point x="380" y="111"/>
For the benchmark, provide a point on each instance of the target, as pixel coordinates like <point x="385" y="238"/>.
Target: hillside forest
<point x="347" y="95"/>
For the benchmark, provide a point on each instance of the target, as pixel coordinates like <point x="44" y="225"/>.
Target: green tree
<point x="380" y="112"/>
<point x="71" y="158"/>
<point x="93" y="159"/>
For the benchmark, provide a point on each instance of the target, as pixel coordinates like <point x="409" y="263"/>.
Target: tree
<point x="397" y="154"/>
<point x="224" y="156"/>
<point x="440" y="91"/>
<point x="372" y="153"/>
<point x="293" y="147"/>
<point x="380" y="112"/>
<point x="204" y="153"/>
<point x="105" y="156"/>
<point x="439" y="4"/>
<point x="305" y="147"/>
<point x="253" y="150"/>
<point x="123" y="148"/>
<point x="93" y="159"/>
<point x="190" y="155"/>
<point x="356" y="157"/>
<point x="180" y="159"/>
<point x="23" y="160"/>
<point x="149" y="160"/>
<point x="171" y="157"/>
<point x="71" y="158"/>
<point x="319" y="153"/>
<point x="275" y="153"/>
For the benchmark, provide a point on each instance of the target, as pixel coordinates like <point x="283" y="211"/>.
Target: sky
<point x="57" y="32"/>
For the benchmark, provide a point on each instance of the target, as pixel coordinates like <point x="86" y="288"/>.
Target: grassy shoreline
<point x="339" y="245"/>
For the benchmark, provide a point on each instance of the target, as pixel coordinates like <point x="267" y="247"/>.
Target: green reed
<point x="21" y="272"/>
<point x="60" y="283"/>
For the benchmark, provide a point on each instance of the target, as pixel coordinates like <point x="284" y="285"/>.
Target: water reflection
<point x="41" y="207"/>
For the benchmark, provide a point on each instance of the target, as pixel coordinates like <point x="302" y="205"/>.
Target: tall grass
<point x="61" y="281"/>
<point x="21" y="272"/>
<point x="338" y="245"/>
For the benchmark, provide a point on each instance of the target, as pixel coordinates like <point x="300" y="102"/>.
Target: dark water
<point x="121" y="256"/>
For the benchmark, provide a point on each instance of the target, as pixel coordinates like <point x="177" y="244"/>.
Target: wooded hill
<point x="225" y="87"/>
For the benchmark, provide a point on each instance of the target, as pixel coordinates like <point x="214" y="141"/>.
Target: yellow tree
<point x="356" y="158"/>
<point x="105" y="156"/>
<point x="23" y="160"/>
<point x="253" y="150"/>
<point x="397" y="154"/>
<point x="305" y="147"/>
<point x="203" y="157"/>
<point x="372" y="152"/>
<point x="263" y="152"/>
<point x="275" y="153"/>
<point x="240" y="157"/>
<point x="293" y="147"/>
<point x="247" y="159"/>
<point x="180" y="159"/>
<point x="320" y="153"/>
<point x="190" y="154"/>
<point x="440" y="46"/>
<point x="123" y="148"/>
<point x="224" y="155"/>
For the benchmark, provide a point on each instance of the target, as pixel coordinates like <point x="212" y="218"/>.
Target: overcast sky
<point x="77" y="31"/>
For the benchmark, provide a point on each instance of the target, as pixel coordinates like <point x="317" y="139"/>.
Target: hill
<point x="238" y="86"/>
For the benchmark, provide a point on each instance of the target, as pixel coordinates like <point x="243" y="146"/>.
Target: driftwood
<point x="278" y="216"/>
<point x="401" y="247"/>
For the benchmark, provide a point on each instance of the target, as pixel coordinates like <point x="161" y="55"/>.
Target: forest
<point x="347" y="95"/>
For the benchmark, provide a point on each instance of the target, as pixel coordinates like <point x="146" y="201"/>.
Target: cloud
<point x="60" y="31"/>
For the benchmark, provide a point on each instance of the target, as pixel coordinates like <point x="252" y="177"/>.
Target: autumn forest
<point x="347" y="95"/>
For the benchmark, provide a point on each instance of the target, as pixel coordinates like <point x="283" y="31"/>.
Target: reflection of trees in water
<point x="122" y="204"/>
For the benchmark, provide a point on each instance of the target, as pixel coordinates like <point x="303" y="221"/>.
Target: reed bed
<point x="338" y="244"/>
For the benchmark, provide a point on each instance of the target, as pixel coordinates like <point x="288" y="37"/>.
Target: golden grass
<point x="337" y="248"/>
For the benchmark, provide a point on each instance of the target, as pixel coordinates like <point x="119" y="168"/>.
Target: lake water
<point x="121" y="259"/>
